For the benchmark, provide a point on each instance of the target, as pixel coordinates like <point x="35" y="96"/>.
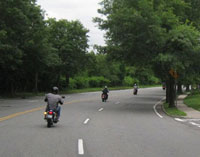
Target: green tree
<point x="18" y="20"/>
<point x="150" y="33"/>
<point x="71" y="42"/>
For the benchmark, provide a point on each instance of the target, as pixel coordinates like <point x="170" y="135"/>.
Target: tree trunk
<point x="180" y="91"/>
<point x="36" y="83"/>
<point x="172" y="92"/>
<point x="12" y="88"/>
<point x="187" y="88"/>
<point x="167" y="91"/>
<point x="67" y="80"/>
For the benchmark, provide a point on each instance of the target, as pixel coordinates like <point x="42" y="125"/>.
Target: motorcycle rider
<point x="105" y="91"/>
<point x="53" y="100"/>
<point x="135" y="89"/>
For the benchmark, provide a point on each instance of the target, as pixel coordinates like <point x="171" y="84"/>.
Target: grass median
<point x="193" y="101"/>
<point x="173" y="111"/>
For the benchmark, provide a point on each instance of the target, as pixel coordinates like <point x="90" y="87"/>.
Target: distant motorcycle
<point x="135" y="91"/>
<point x="104" y="97"/>
<point x="50" y="117"/>
<point x="163" y="87"/>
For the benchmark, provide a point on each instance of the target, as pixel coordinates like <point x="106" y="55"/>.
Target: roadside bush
<point x="72" y="83"/>
<point x="114" y="80"/>
<point x="81" y="82"/>
<point x="98" y="81"/>
<point x="195" y="92"/>
<point x="153" y="80"/>
<point x="129" y="81"/>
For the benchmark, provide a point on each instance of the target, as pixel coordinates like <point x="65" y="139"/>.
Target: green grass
<point x="193" y="101"/>
<point x="173" y="111"/>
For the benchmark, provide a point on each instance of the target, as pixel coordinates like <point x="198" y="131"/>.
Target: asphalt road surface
<point x="126" y="125"/>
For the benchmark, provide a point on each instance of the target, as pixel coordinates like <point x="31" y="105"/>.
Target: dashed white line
<point x="178" y="119"/>
<point x="194" y="124"/>
<point x="86" y="121"/>
<point x="80" y="147"/>
<point x="101" y="109"/>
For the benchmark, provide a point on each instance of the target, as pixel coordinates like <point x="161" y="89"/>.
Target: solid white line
<point x="86" y="121"/>
<point x="101" y="109"/>
<point x="117" y="103"/>
<point x="154" y="107"/>
<point x="80" y="147"/>
<point x="186" y="120"/>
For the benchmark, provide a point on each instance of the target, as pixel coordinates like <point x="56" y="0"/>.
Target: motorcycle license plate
<point x="49" y="116"/>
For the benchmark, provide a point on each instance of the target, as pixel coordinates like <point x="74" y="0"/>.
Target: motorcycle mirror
<point x="63" y="97"/>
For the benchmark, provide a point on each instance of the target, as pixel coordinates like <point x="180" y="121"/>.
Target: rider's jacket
<point x="53" y="100"/>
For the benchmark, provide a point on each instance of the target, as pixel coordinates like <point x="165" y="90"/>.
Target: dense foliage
<point x="36" y="54"/>
<point x="161" y="34"/>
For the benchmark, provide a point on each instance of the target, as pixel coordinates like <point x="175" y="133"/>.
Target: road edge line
<point x="154" y="107"/>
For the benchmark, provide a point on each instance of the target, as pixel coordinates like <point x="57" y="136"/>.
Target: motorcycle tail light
<point x="50" y="112"/>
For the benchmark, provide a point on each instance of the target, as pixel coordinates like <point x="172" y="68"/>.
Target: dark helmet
<point x="55" y="90"/>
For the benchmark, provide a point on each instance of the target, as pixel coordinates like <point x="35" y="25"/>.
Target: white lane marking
<point x="154" y="107"/>
<point x="101" y="109"/>
<point x="178" y="119"/>
<point x="186" y="120"/>
<point x="194" y="124"/>
<point x="86" y="121"/>
<point x="192" y="120"/>
<point x="117" y="103"/>
<point x="80" y="147"/>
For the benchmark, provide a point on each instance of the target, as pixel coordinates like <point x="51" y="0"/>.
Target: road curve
<point x="125" y="126"/>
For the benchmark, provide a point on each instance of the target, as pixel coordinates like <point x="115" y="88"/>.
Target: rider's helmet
<point x="105" y="86"/>
<point x="55" y="90"/>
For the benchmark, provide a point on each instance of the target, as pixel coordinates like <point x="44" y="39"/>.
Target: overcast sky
<point x="82" y="10"/>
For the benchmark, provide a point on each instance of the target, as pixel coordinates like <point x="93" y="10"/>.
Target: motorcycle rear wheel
<point x="49" y="123"/>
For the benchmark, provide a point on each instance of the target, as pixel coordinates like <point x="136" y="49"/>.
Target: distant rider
<point x="53" y="100"/>
<point x="135" y="89"/>
<point x="105" y="91"/>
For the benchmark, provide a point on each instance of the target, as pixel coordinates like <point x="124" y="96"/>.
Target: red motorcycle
<point x="104" y="97"/>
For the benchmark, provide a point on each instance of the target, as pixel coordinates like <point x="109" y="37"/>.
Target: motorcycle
<point x="50" y="117"/>
<point x="135" y="91"/>
<point x="163" y="87"/>
<point x="104" y="97"/>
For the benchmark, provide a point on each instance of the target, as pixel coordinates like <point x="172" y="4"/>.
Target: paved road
<point x="125" y="126"/>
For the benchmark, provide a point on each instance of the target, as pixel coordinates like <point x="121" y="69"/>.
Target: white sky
<point x="82" y="10"/>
